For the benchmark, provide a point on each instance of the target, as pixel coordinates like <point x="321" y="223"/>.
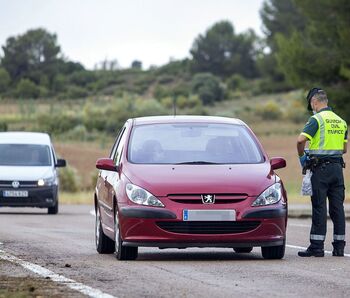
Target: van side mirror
<point x="106" y="164"/>
<point x="278" y="163"/>
<point x="61" y="163"/>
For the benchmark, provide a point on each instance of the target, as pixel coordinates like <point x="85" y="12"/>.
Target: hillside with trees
<point x="300" y="49"/>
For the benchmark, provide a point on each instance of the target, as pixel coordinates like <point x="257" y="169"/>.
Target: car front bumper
<point x="158" y="227"/>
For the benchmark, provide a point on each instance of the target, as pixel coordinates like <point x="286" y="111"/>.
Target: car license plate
<point x="15" y="193"/>
<point x="209" y="215"/>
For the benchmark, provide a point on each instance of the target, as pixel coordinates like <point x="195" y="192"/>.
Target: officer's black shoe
<point x="338" y="248"/>
<point x="311" y="252"/>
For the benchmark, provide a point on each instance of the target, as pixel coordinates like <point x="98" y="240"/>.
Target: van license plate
<point x="15" y="193"/>
<point x="209" y="215"/>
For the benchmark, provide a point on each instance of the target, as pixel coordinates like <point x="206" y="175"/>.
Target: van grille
<point x="22" y="184"/>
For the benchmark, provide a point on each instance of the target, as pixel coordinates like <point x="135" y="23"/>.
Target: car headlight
<point x="271" y="195"/>
<point x="47" y="181"/>
<point x="141" y="196"/>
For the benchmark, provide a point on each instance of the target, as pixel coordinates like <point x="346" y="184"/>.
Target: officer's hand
<point x="303" y="159"/>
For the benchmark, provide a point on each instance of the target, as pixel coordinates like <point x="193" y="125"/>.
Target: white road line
<point x="300" y="225"/>
<point x="301" y="247"/>
<point x="70" y="283"/>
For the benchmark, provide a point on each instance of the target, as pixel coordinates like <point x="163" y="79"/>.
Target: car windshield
<point x="24" y="155"/>
<point x="189" y="143"/>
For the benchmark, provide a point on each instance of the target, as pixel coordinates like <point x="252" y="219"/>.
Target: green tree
<point x="31" y="55"/>
<point x="223" y="53"/>
<point x="320" y="54"/>
<point x="279" y="17"/>
<point x="5" y="80"/>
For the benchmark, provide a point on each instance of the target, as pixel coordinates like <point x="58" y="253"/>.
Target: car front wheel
<point x="122" y="252"/>
<point x="273" y="252"/>
<point x="104" y="245"/>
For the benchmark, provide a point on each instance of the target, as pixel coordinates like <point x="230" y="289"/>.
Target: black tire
<point x="244" y="250"/>
<point x="104" y="245"/>
<point x="273" y="252"/>
<point x="122" y="253"/>
<point x="53" y="209"/>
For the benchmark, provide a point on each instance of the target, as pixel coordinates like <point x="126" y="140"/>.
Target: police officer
<point x="327" y="134"/>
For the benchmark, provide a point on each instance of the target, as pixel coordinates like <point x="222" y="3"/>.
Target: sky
<point x="152" y="31"/>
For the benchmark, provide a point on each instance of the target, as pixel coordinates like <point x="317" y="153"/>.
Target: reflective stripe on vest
<point x="329" y="138"/>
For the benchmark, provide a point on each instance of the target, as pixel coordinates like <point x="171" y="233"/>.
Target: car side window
<point x="119" y="148"/>
<point x="117" y="140"/>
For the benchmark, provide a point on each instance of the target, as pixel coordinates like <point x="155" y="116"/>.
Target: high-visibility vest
<point x="329" y="138"/>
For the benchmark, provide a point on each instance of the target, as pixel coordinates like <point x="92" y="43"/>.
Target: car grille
<point x="208" y="227"/>
<point x="197" y="199"/>
<point x="22" y="184"/>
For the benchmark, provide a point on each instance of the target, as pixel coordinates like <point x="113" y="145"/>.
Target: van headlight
<point x="141" y="196"/>
<point x="47" y="181"/>
<point x="271" y="195"/>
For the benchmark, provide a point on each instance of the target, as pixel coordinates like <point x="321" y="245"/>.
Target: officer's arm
<point x="301" y="144"/>
<point x="345" y="147"/>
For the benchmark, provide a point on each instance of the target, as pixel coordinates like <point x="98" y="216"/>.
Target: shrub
<point x="297" y="112"/>
<point x="237" y="82"/>
<point x="207" y="87"/>
<point x="5" y="80"/>
<point x="269" y="111"/>
<point x="69" y="180"/>
<point x="58" y="122"/>
<point x="3" y="126"/>
<point x="27" y="89"/>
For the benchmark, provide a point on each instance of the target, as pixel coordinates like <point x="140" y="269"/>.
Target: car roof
<point x="25" y="138"/>
<point x="186" y="119"/>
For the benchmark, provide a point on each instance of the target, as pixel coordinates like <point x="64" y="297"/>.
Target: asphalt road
<point x="64" y="244"/>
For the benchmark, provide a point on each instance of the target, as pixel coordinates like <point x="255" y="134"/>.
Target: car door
<point x="111" y="180"/>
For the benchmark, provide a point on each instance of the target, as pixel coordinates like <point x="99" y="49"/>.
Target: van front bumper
<point x="42" y="197"/>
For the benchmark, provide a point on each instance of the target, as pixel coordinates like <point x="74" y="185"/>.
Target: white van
<point x="28" y="174"/>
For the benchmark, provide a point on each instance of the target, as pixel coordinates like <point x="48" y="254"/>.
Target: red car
<point x="189" y="181"/>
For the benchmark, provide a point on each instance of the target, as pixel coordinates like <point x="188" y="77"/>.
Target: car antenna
<point x="174" y="105"/>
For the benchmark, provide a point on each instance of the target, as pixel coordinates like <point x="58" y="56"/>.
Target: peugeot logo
<point x="15" y="184"/>
<point x="208" y="199"/>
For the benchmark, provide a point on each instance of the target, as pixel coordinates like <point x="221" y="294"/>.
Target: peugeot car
<point x="189" y="181"/>
<point x="28" y="171"/>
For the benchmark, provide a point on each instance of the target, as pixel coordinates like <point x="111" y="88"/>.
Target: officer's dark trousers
<point x="327" y="181"/>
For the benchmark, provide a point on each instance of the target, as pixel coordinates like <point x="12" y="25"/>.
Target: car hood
<point x="24" y="173"/>
<point x="162" y="180"/>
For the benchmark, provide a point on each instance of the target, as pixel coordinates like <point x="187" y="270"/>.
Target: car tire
<point x="273" y="252"/>
<point x="122" y="253"/>
<point x="241" y="250"/>
<point x="104" y="245"/>
<point x="53" y="209"/>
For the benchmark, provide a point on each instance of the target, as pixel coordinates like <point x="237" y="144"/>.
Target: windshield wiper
<point x="197" y="162"/>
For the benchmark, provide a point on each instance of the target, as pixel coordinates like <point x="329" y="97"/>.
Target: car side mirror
<point x="277" y="163"/>
<point x="106" y="164"/>
<point x="61" y="163"/>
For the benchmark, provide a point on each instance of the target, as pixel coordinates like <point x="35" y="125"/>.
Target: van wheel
<point x="104" y="245"/>
<point x="241" y="250"/>
<point x="122" y="252"/>
<point x="273" y="252"/>
<point x="53" y="209"/>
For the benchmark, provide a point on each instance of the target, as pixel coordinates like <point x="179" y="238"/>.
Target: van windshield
<point x="25" y="155"/>
<point x="188" y="143"/>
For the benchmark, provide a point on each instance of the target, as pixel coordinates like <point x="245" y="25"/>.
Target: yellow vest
<point x="329" y="138"/>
